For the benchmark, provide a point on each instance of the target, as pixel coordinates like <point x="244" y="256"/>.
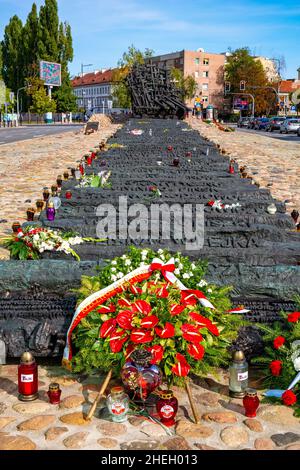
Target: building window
<point x="205" y="74"/>
<point x="205" y="86"/>
<point x="205" y="99"/>
<point x="205" y="61"/>
<point x="196" y="74"/>
<point x="197" y="61"/>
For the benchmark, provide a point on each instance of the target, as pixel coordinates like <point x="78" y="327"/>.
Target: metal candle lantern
<point x="27" y="378"/>
<point x="73" y="172"/>
<point x="238" y="375"/>
<point x="54" y="393"/>
<point x="59" y="181"/>
<point x="54" y="190"/>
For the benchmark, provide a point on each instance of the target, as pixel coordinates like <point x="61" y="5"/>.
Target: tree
<point x="30" y="37"/>
<point x="65" y="98"/>
<point x="186" y="85"/>
<point x="12" y="52"/>
<point x="241" y="66"/>
<point x="48" y="48"/>
<point x="41" y="102"/>
<point x="131" y="57"/>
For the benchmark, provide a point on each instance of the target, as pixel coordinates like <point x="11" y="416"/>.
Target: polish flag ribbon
<point x="166" y="269"/>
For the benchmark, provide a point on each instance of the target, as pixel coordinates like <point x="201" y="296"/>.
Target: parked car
<point x="251" y="123"/>
<point x="261" y="123"/>
<point x="274" y="123"/>
<point x="243" y="122"/>
<point x="290" y="125"/>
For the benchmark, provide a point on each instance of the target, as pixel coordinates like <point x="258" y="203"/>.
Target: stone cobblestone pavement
<point x="28" y="166"/>
<point x="223" y="426"/>
<point x="273" y="163"/>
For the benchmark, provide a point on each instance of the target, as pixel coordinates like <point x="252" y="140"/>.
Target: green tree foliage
<point x="186" y="85"/>
<point x="43" y="37"/>
<point x="12" y="52"/>
<point x="242" y="66"/>
<point x="41" y="102"/>
<point x="129" y="58"/>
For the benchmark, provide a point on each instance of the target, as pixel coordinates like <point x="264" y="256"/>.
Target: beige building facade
<point x="207" y="70"/>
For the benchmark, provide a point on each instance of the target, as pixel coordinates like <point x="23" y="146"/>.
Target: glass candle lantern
<point x="167" y="407"/>
<point x="118" y="404"/>
<point x="68" y="195"/>
<point x="54" y="190"/>
<point x="50" y="211"/>
<point x="59" y="181"/>
<point x="30" y="214"/>
<point x="46" y="194"/>
<point x="250" y="402"/>
<point x="66" y="175"/>
<point x="39" y="205"/>
<point x="238" y="375"/>
<point x="27" y="378"/>
<point x="54" y="394"/>
<point x="15" y="227"/>
<point x="77" y="174"/>
<point x="231" y="167"/>
<point x="81" y="168"/>
<point x="139" y="376"/>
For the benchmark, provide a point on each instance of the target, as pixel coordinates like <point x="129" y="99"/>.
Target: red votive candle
<point x="250" y="402"/>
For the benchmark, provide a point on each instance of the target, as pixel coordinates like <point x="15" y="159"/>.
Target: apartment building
<point x="93" y="91"/>
<point x="206" y="68"/>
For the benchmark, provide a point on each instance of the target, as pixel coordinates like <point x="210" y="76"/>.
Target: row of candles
<point x="76" y="173"/>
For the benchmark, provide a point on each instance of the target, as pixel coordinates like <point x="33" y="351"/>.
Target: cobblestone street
<point x="40" y="425"/>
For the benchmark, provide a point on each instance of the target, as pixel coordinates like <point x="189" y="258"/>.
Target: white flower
<point x="143" y="264"/>
<point x="128" y="262"/>
<point x="209" y="291"/>
<point x="124" y="256"/>
<point x="176" y="260"/>
<point x="193" y="266"/>
<point x="144" y="258"/>
<point x="114" y="262"/>
<point x="120" y="275"/>
<point x="114" y="278"/>
<point x="160" y="251"/>
<point x="36" y="237"/>
<point x="75" y="240"/>
<point x="202" y="283"/>
<point x="144" y="252"/>
<point x="296" y="363"/>
<point x="186" y="276"/>
<point x="180" y="266"/>
<point x="191" y="274"/>
<point x="113" y="270"/>
<point x="177" y="272"/>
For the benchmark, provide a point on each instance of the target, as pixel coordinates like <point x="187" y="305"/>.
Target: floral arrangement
<point x="30" y="242"/>
<point x="219" y="205"/>
<point x="95" y="181"/>
<point x="183" y="335"/>
<point x="155" y="191"/>
<point x="282" y="361"/>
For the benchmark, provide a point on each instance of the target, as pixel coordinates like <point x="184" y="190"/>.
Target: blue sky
<point x="103" y="29"/>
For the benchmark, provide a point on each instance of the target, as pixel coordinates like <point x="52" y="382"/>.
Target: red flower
<point x="124" y="303"/>
<point x="276" y="367"/>
<point x="149" y="322"/>
<point x="191" y="333"/>
<point x="139" y="336"/>
<point x="293" y="317"/>
<point x="168" y="331"/>
<point x="157" y="352"/>
<point x="188" y="298"/>
<point x="210" y="203"/>
<point x="141" y="306"/>
<point x="130" y="348"/>
<point x="289" y="398"/>
<point x="116" y="341"/>
<point x="182" y="367"/>
<point x="162" y="292"/>
<point x="176" y="309"/>
<point x="107" y="328"/>
<point x="197" y="351"/>
<point x="136" y="290"/>
<point x="107" y="309"/>
<point x="203" y="322"/>
<point x="278" y="342"/>
<point x="124" y="319"/>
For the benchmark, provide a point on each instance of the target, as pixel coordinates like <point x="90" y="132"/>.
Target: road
<point x="273" y="135"/>
<point x="16" y="134"/>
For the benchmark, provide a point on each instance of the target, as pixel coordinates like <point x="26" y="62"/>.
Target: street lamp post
<point x="18" y="111"/>
<point x="84" y="65"/>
